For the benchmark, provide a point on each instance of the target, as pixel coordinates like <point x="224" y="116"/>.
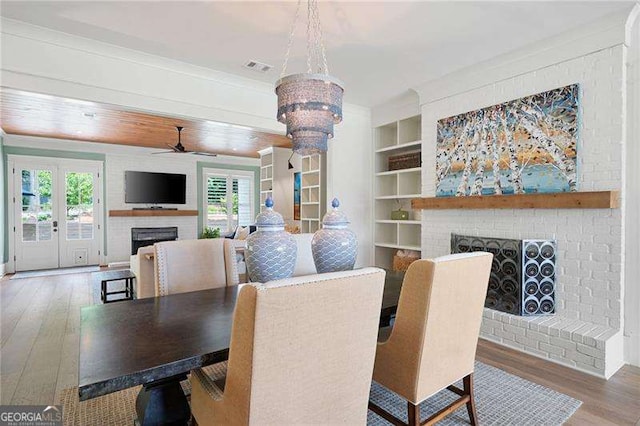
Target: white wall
<point x="40" y="60"/>
<point x="632" y="234"/>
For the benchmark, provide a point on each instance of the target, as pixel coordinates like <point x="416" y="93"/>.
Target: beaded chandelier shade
<point x="309" y="103"/>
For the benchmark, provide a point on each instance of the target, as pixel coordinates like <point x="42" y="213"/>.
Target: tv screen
<point x="154" y="188"/>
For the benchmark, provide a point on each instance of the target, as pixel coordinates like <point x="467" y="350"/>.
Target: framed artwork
<point x="528" y="145"/>
<point x="297" y="187"/>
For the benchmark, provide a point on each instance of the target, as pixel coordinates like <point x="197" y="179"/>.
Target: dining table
<point x="155" y="342"/>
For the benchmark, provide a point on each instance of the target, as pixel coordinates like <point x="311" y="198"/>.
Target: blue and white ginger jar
<point x="335" y="246"/>
<point x="271" y="251"/>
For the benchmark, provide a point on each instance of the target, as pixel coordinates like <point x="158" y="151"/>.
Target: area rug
<point x="49" y="272"/>
<point x="501" y="399"/>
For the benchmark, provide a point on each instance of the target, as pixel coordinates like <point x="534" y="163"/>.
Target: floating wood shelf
<point x="562" y="200"/>
<point x="151" y="212"/>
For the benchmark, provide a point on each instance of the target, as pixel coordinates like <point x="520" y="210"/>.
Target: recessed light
<point x="89" y="114"/>
<point x="234" y="149"/>
<point x="79" y="132"/>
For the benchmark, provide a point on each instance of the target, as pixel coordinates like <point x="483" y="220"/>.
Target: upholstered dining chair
<point x="301" y="352"/>
<point x="190" y="265"/>
<point x="433" y="341"/>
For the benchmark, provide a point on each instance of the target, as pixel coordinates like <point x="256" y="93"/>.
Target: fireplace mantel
<point x="152" y="212"/>
<point x="562" y="200"/>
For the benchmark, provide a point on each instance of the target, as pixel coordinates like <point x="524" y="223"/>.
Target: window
<point x="229" y="199"/>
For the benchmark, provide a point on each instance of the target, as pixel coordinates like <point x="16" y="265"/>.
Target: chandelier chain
<point x="309" y="35"/>
<point x="316" y="53"/>
<point x="292" y="32"/>
<point x="321" y="56"/>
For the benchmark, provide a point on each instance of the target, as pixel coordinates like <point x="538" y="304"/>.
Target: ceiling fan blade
<point x="208" y="154"/>
<point x="174" y="148"/>
<point x="164" y="152"/>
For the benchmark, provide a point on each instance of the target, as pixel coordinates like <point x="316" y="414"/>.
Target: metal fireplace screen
<point x="523" y="274"/>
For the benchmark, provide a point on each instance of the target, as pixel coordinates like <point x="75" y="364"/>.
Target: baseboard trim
<point x="3" y="269"/>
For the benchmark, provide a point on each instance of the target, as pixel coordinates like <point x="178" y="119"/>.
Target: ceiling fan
<point x="180" y="149"/>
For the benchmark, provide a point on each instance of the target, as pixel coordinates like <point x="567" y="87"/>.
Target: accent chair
<point x="433" y="341"/>
<point x="191" y="265"/>
<point x="301" y="352"/>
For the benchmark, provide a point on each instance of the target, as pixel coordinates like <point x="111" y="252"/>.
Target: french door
<point x="57" y="218"/>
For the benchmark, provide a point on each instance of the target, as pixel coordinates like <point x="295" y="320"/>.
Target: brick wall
<point x="590" y="242"/>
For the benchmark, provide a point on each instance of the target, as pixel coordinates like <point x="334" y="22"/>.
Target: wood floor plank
<point x="38" y="380"/>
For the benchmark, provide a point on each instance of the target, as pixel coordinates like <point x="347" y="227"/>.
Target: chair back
<point x="191" y="265"/>
<point x="438" y="322"/>
<point x="302" y="349"/>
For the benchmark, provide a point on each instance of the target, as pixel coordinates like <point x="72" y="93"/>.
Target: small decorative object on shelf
<point x="399" y="214"/>
<point x="335" y="246"/>
<point x="404" y="258"/>
<point x="271" y="251"/>
<point x="407" y="160"/>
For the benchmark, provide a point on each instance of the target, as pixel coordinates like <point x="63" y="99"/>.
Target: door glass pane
<point x="79" y="205"/>
<point x="36" y="205"/>
<point x="217" y="202"/>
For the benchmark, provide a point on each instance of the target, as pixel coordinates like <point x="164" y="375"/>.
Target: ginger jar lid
<point x="335" y="218"/>
<point x="269" y="219"/>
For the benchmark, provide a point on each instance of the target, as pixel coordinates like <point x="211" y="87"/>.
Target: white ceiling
<point x="379" y="49"/>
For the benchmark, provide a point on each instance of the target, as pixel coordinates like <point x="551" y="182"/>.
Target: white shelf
<point x="396" y="172"/>
<point x="308" y="172"/>
<point x="310" y="203"/>
<point x="398" y="246"/>
<point x="266" y="192"/>
<point x="266" y="166"/>
<point x="416" y="144"/>
<point x="265" y="180"/>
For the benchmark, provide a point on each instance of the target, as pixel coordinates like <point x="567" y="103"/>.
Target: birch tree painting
<point x="527" y="145"/>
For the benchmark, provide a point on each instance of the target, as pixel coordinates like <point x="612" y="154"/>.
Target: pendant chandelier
<point x="309" y="103"/>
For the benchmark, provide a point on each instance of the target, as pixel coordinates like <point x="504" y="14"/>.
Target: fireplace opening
<point x="141" y="237"/>
<point x="523" y="273"/>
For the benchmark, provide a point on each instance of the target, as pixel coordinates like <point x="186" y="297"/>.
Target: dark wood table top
<point x="135" y="342"/>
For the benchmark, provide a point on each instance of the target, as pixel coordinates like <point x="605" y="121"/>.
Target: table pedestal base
<point x="163" y="403"/>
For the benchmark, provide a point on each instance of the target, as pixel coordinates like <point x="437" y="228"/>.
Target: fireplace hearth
<point x="141" y="237"/>
<point x="523" y="274"/>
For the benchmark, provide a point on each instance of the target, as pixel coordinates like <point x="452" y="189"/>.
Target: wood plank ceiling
<point x="34" y="114"/>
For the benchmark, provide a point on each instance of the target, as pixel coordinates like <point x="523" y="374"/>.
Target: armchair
<point x="190" y="265"/>
<point x="301" y="352"/>
<point x="433" y="341"/>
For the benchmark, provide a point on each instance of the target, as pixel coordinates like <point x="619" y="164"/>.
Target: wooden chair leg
<point x="413" y="414"/>
<point x="471" y="405"/>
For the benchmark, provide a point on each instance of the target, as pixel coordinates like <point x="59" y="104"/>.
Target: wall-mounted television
<point x="154" y="188"/>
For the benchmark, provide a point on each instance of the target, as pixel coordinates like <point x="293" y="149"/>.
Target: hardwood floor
<point x="39" y="335"/>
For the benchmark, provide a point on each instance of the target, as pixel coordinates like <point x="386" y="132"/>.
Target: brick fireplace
<point x="586" y="331"/>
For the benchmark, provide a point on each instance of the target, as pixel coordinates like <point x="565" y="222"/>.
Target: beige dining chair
<point x="191" y="265"/>
<point x="433" y="341"/>
<point x="301" y="352"/>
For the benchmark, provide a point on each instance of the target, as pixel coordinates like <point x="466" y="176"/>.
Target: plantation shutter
<point x="217" y="216"/>
<point x="242" y="188"/>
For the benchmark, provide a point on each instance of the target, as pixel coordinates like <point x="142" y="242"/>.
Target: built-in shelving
<point x="395" y="188"/>
<point x="313" y="197"/>
<point x="266" y="177"/>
